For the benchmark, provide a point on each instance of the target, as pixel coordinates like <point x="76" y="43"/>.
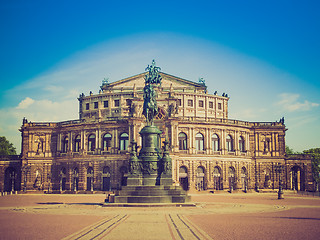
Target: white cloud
<point x="25" y="103"/>
<point x="291" y="102"/>
<point x="36" y="111"/>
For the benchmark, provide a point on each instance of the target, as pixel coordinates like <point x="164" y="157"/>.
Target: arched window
<point x="229" y="144"/>
<point x="124" y="175"/>
<point x="63" y="179"/>
<point x="215" y="142"/>
<point x="77" y="142"/>
<point x="65" y="144"/>
<point x="217" y="178"/>
<point x="124" y="141"/>
<point x="244" y="180"/>
<point x="91" y="142"/>
<point x="90" y="179"/>
<point x="200" y="181"/>
<point x="106" y="184"/>
<point x="106" y="141"/>
<point x="75" y="179"/>
<point x="183" y="178"/>
<point x="232" y="178"/>
<point x="182" y="141"/>
<point x="199" y="142"/>
<point x="242" y="144"/>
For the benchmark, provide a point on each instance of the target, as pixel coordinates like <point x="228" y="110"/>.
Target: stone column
<point x="192" y="141"/>
<point x="236" y="143"/>
<point x="207" y="137"/>
<point x="223" y="142"/>
<point x="70" y="141"/>
<point x="59" y="142"/>
<point x="83" y="140"/>
<point x="97" y="139"/>
<point x="189" y="139"/>
<point x="116" y="142"/>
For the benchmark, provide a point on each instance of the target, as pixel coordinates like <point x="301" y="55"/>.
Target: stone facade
<point x="208" y="150"/>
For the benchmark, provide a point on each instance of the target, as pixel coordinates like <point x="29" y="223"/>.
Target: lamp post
<point x="279" y="169"/>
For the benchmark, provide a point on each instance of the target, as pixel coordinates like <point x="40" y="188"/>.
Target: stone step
<point x="133" y="187"/>
<point x="150" y="199"/>
<point x="151" y="193"/>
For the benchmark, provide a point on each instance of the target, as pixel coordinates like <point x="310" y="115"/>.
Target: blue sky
<point x="264" y="54"/>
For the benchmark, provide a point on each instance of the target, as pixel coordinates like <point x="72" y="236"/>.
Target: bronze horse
<point x="150" y="108"/>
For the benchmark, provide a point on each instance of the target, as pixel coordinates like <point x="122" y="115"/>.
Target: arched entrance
<point x="217" y="180"/>
<point x="90" y="179"/>
<point x="267" y="179"/>
<point x="75" y="179"/>
<point x="10" y="180"/>
<point x="232" y="182"/>
<point x="183" y="178"/>
<point x="200" y="182"/>
<point x="124" y="175"/>
<point x="38" y="180"/>
<point x="63" y="179"/>
<point x="106" y="186"/>
<point x="296" y="176"/>
<point x="244" y="179"/>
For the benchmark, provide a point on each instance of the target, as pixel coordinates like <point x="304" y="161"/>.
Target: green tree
<point x="289" y="150"/>
<point x="6" y="148"/>
<point x="315" y="161"/>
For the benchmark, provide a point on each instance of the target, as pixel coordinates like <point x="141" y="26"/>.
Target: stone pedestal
<point x="150" y="177"/>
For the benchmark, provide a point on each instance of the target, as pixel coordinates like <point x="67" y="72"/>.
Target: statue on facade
<point x="132" y="109"/>
<point x="105" y="81"/>
<point x="202" y="81"/>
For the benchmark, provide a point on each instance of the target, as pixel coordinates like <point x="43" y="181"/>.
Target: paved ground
<point x="216" y="216"/>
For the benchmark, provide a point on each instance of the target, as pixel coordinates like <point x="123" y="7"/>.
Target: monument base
<point x="140" y="180"/>
<point x="151" y="194"/>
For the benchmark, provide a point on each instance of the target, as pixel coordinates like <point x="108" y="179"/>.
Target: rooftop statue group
<point x="150" y="107"/>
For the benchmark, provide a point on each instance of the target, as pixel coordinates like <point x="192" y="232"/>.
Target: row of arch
<point x="201" y="181"/>
<point x="12" y="178"/>
<point x="106" y="142"/>
<point x="90" y="179"/>
<point x="215" y="142"/>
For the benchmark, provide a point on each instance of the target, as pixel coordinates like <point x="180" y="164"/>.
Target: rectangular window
<point x="96" y="105"/>
<point x="117" y="103"/>
<point x="219" y="106"/>
<point x="190" y="103"/>
<point x="106" y="104"/>
<point x="179" y="102"/>
<point x="210" y="104"/>
<point x="87" y="106"/>
<point x="200" y="103"/>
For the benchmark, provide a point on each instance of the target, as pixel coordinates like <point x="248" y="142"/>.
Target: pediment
<point x="167" y="81"/>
